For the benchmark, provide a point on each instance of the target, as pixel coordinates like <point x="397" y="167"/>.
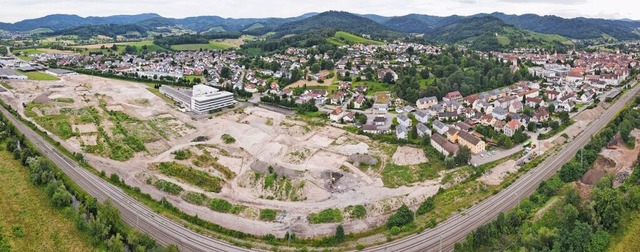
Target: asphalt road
<point x="442" y="237"/>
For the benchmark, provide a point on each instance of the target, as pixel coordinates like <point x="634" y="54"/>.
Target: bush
<point x="357" y="212"/>
<point x="182" y="154"/>
<point x="395" y="230"/>
<point x="228" y="139"/>
<point x="330" y="215"/>
<point x="220" y="205"/>
<point x="401" y="218"/>
<point x="426" y="206"/>
<point x="168" y="187"/>
<point x="198" y="178"/>
<point x="195" y="198"/>
<point x="267" y="214"/>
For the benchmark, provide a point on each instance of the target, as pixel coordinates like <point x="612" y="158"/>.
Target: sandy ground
<point x="54" y="51"/>
<point x="496" y="175"/>
<point x="262" y="136"/>
<point x="406" y="155"/>
<point x="300" y="83"/>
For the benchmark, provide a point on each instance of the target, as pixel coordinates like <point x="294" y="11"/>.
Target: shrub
<point x="402" y="217"/>
<point x="220" y="205"/>
<point x="228" y="139"/>
<point x="168" y="187"/>
<point x="357" y="212"/>
<point x="192" y="176"/>
<point x="195" y="198"/>
<point x="426" y="206"/>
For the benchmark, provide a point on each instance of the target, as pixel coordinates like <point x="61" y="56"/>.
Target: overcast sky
<point x="16" y="10"/>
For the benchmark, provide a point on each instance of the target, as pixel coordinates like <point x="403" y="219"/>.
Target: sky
<point x="16" y="10"/>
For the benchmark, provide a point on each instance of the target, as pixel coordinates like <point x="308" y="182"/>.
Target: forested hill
<point x="337" y="20"/>
<point x="487" y="33"/>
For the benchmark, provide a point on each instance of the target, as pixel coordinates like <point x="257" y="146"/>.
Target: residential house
<point x="443" y="146"/>
<point x="337" y="98"/>
<point x="382" y="100"/>
<point x="515" y="107"/>
<point x="447" y="116"/>
<point x="380" y="120"/>
<point x="452" y="135"/>
<point x="452" y="106"/>
<point x="498" y="126"/>
<point x="426" y="102"/>
<point x="440" y="127"/>
<point x="349" y="117"/>
<point x="371" y="129"/>
<point x="463" y="126"/>
<point x="471" y="99"/>
<point x="336" y="114"/>
<point x="552" y="94"/>
<point x="422" y="116"/>
<point x="500" y="113"/>
<point x="452" y="96"/>
<point x="541" y="115"/>
<point x="358" y="102"/>
<point x="408" y="108"/>
<point x="476" y="145"/>
<point x="423" y="130"/>
<point x="483" y="107"/>
<point x="401" y="132"/>
<point x="511" y="127"/>
<point x="534" y="102"/>
<point x="404" y="120"/>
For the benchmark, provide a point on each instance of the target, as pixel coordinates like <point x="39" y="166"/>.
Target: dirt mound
<point x="600" y="169"/>
<point x="589" y="114"/>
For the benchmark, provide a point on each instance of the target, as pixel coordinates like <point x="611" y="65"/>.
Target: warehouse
<point x="200" y="99"/>
<point x="11" y="75"/>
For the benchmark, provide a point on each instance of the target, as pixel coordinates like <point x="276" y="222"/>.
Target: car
<point x="481" y="155"/>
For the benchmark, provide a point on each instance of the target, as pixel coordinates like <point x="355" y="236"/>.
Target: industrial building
<point x="11" y="74"/>
<point x="200" y="99"/>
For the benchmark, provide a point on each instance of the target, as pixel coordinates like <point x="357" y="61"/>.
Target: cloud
<point x="556" y="2"/>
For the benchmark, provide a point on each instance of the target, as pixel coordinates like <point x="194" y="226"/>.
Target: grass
<point x="394" y="176"/>
<point x="191" y="78"/>
<point x="64" y="100"/>
<point x="228" y="139"/>
<point x="330" y="215"/>
<point x="25" y="209"/>
<point x="342" y="38"/>
<point x="195" y="198"/>
<point x="38" y="76"/>
<point x="627" y="238"/>
<point x="268" y="214"/>
<point x="195" y="177"/>
<point x="373" y="86"/>
<point x="213" y="45"/>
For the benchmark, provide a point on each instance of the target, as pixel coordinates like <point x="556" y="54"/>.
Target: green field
<point x="191" y="78"/>
<point x="344" y="38"/>
<point x="39" y="76"/>
<point x="26" y="52"/>
<point x="26" y="207"/>
<point x="627" y="238"/>
<point x="213" y="45"/>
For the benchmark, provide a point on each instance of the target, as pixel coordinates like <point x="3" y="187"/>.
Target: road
<point x="442" y="237"/>
<point x="164" y="230"/>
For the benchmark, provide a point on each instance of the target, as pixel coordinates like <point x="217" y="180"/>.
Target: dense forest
<point x="452" y="70"/>
<point x="335" y="20"/>
<point x="183" y="39"/>
<point x="581" y="220"/>
<point x="110" y="30"/>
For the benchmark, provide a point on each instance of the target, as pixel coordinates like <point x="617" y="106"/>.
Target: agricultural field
<point x="25" y="208"/>
<point x="213" y="45"/>
<point x="342" y="38"/>
<point x="120" y="47"/>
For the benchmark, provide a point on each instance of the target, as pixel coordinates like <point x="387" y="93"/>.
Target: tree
<point x="388" y="78"/>
<point x="225" y="72"/>
<point x="532" y="127"/>
<point x="464" y="155"/>
<point x="115" y="244"/>
<point x="315" y="68"/>
<point x="608" y="206"/>
<point x="61" y="197"/>
<point x="552" y="109"/>
<point x="426" y="206"/>
<point x="339" y="237"/>
<point x="564" y="117"/>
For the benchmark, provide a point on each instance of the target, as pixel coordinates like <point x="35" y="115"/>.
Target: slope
<point x="339" y="21"/>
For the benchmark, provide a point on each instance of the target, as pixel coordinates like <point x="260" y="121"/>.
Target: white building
<point x="201" y="99"/>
